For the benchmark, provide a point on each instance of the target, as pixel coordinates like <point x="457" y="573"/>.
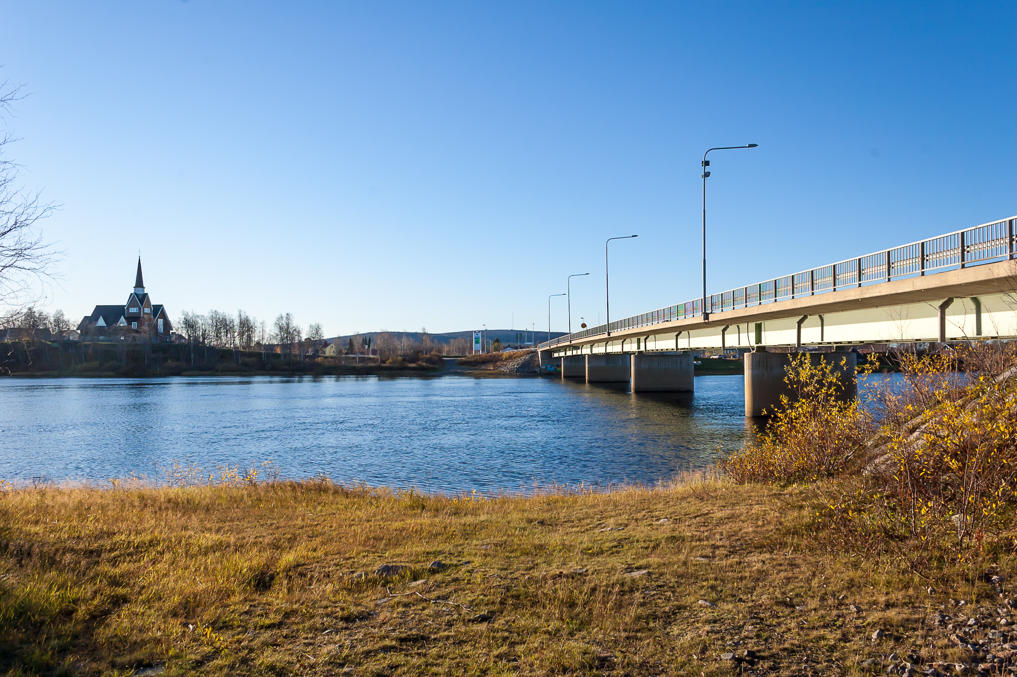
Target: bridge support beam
<point x="573" y="366"/>
<point x="665" y="372"/>
<point x="765" y="372"/>
<point x="607" y="368"/>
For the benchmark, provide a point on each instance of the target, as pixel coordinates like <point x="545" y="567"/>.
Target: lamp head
<point x="752" y="145"/>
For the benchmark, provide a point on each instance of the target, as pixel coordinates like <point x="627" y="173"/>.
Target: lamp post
<point x="549" y="297"/>
<point x="607" y="284"/>
<point x="706" y="175"/>
<point x="483" y="338"/>
<point x="568" y="290"/>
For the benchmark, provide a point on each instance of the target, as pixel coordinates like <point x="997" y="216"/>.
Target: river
<point x="453" y="433"/>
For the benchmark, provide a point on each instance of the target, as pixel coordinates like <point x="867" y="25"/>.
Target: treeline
<point x="31" y="318"/>
<point x="227" y="330"/>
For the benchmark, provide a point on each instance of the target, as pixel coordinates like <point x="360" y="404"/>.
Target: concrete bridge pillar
<point x="573" y="366"/>
<point x="544" y="358"/>
<point x="765" y="373"/>
<point x="607" y="368"/>
<point x="665" y="372"/>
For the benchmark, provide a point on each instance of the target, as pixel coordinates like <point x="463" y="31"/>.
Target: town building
<point x="137" y="319"/>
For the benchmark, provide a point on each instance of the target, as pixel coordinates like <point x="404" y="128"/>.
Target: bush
<point x="951" y="441"/>
<point x="813" y="433"/>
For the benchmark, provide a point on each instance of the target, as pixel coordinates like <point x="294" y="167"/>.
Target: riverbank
<point x="312" y="578"/>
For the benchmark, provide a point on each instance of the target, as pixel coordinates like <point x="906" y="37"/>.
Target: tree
<point x="285" y="332"/>
<point x="245" y="329"/>
<point x="23" y="255"/>
<point x="59" y="323"/>
<point x="315" y="334"/>
<point x="32" y="319"/>
<point x="496" y="346"/>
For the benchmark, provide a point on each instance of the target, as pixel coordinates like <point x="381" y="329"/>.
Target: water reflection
<point x="451" y="433"/>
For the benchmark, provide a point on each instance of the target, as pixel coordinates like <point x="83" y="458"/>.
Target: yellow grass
<point x="279" y="578"/>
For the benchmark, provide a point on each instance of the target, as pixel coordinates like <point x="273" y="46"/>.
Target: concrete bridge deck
<point x="953" y="287"/>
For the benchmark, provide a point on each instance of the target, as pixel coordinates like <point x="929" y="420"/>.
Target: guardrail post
<point x="888" y="264"/>
<point x="858" y="272"/>
<point x="962" y="249"/>
<point x="812" y="282"/>
<point x="921" y="257"/>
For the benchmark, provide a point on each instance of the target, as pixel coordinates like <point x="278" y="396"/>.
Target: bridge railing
<point x="986" y="243"/>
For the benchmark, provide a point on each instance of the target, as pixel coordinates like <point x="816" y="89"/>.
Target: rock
<point x="703" y="602"/>
<point x="854" y="609"/>
<point x="437" y="565"/>
<point x="639" y="573"/>
<point x="482" y="617"/>
<point x="386" y="570"/>
<point x="701" y="559"/>
<point x="663" y="520"/>
<point x="580" y="571"/>
<point x="867" y="663"/>
<point x="972" y="622"/>
<point x="359" y="576"/>
<point x="417" y="583"/>
<point x="149" y="671"/>
<point x="878" y="634"/>
<point x="727" y="657"/>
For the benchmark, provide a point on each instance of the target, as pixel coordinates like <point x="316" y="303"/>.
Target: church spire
<point x="139" y="282"/>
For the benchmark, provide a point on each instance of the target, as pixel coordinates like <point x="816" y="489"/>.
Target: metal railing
<point x="987" y="243"/>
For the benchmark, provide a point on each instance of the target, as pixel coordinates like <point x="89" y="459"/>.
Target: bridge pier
<point x="573" y="366"/>
<point x="544" y="359"/>
<point x="765" y="373"/>
<point x="607" y="368"/>
<point x="664" y="372"/>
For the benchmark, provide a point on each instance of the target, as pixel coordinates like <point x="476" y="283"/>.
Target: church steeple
<point x="139" y="282"/>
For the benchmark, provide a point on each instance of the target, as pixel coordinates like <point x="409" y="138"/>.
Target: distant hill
<point x="506" y="336"/>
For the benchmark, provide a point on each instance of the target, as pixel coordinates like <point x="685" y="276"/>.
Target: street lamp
<point x="483" y="338"/>
<point x="568" y="284"/>
<point x="607" y="286"/>
<point x="706" y="175"/>
<point x="549" y="297"/>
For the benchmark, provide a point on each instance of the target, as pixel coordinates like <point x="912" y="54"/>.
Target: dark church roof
<point x="139" y="282"/>
<point x="109" y="314"/>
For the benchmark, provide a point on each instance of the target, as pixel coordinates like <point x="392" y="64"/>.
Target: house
<point x="137" y="318"/>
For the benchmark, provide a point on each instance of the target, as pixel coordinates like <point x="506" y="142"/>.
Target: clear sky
<point x="396" y="165"/>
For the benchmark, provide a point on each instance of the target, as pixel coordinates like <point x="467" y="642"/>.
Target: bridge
<point x="955" y="287"/>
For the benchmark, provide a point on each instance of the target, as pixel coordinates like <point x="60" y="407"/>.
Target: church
<point x="138" y="317"/>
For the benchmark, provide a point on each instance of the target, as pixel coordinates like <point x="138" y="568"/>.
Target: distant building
<point x="137" y="318"/>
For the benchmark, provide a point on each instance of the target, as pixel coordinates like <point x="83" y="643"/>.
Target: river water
<point x="451" y="433"/>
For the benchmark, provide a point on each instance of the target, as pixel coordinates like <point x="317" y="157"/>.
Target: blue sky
<point x="398" y="165"/>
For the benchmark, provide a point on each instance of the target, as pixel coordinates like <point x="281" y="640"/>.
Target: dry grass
<point x="279" y="578"/>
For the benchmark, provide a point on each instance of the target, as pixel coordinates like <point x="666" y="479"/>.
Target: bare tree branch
<point x="23" y="253"/>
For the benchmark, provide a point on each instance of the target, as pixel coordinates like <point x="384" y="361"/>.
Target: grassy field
<point x="278" y="578"/>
